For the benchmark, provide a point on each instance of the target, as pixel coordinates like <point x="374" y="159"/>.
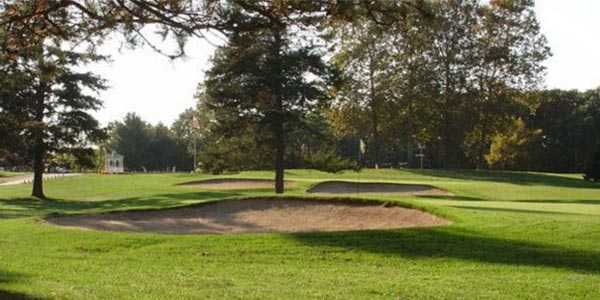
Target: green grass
<point x="514" y="235"/>
<point x="4" y="174"/>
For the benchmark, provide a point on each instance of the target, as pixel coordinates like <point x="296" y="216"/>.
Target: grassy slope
<point x="515" y="235"/>
<point x="8" y="174"/>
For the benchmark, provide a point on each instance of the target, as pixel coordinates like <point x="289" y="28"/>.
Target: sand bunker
<point x="234" y="184"/>
<point x="258" y="215"/>
<point x="347" y="187"/>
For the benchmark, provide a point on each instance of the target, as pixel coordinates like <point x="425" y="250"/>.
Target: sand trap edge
<point x="447" y="219"/>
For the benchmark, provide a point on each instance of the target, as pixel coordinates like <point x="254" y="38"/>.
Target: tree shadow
<point x="27" y="207"/>
<point x="561" y="201"/>
<point x="8" y="277"/>
<point x="17" y="296"/>
<point x="521" y="178"/>
<point x="515" y="210"/>
<point x="449" y="197"/>
<point x="540" y="201"/>
<point x="457" y="244"/>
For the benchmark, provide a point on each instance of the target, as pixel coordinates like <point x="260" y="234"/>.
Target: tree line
<point x="148" y="147"/>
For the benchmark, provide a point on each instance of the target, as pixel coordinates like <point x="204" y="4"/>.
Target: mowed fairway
<point x="514" y="235"/>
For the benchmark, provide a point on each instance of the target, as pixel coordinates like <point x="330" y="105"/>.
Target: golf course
<point x="505" y="235"/>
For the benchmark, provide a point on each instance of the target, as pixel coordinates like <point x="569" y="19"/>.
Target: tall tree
<point x="451" y="78"/>
<point x="363" y="56"/>
<point x="50" y="101"/>
<point x="261" y="77"/>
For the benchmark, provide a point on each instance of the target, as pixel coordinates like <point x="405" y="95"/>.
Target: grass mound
<point x="348" y="187"/>
<point x="234" y="184"/>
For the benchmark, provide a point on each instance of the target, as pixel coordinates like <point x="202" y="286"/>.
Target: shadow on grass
<point x="521" y="178"/>
<point x="562" y="201"/>
<point x="449" y="197"/>
<point x="7" y="277"/>
<point x="17" y="296"/>
<point x="457" y="244"/>
<point x="541" y="201"/>
<point x="26" y="207"/>
<point x="515" y="210"/>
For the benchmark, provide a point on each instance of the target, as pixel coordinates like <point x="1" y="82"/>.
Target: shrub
<point x="327" y="160"/>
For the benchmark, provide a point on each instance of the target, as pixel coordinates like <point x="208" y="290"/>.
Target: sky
<point x="159" y="89"/>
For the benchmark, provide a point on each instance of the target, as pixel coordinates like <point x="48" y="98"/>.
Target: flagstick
<point x="360" y="146"/>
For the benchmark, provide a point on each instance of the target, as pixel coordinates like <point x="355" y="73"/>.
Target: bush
<point x="327" y="160"/>
<point x="510" y="150"/>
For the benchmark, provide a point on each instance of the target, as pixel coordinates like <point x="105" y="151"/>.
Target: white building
<point x="114" y="163"/>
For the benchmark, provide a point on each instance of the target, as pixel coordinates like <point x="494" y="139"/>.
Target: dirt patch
<point x="347" y="187"/>
<point x="235" y="184"/>
<point x="258" y="215"/>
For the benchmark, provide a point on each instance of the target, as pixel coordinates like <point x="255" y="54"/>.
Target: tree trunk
<point x="374" y="112"/>
<point x="38" y="144"/>
<point x="279" y="156"/>
<point x="38" y="171"/>
<point x="278" y="122"/>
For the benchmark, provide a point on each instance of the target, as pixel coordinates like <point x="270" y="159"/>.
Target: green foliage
<point x="328" y="160"/>
<point x="76" y="163"/>
<point x="592" y="170"/>
<point x="238" y="152"/>
<point x="449" y="79"/>
<point x="266" y="78"/>
<point x="511" y="150"/>
<point x="570" y="121"/>
<point x="47" y="100"/>
<point x="147" y="147"/>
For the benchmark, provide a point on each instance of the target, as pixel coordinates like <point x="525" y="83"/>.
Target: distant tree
<point x="362" y="54"/>
<point x="570" y="121"/>
<point x="193" y="127"/>
<point x="48" y="100"/>
<point x="147" y="147"/>
<point x="131" y="138"/>
<point x="449" y="79"/>
<point x="242" y="150"/>
<point x="187" y="134"/>
<point x="592" y="170"/>
<point x="511" y="150"/>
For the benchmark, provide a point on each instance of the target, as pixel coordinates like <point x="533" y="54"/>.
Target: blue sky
<point x="158" y="89"/>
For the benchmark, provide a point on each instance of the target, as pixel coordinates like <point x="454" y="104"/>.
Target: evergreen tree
<point x="44" y="96"/>
<point x="262" y="78"/>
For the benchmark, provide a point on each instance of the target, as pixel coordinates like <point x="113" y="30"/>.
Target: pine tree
<point x="260" y="77"/>
<point x="46" y="95"/>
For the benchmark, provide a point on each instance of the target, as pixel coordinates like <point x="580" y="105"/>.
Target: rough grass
<point x="515" y="235"/>
<point x="4" y="174"/>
